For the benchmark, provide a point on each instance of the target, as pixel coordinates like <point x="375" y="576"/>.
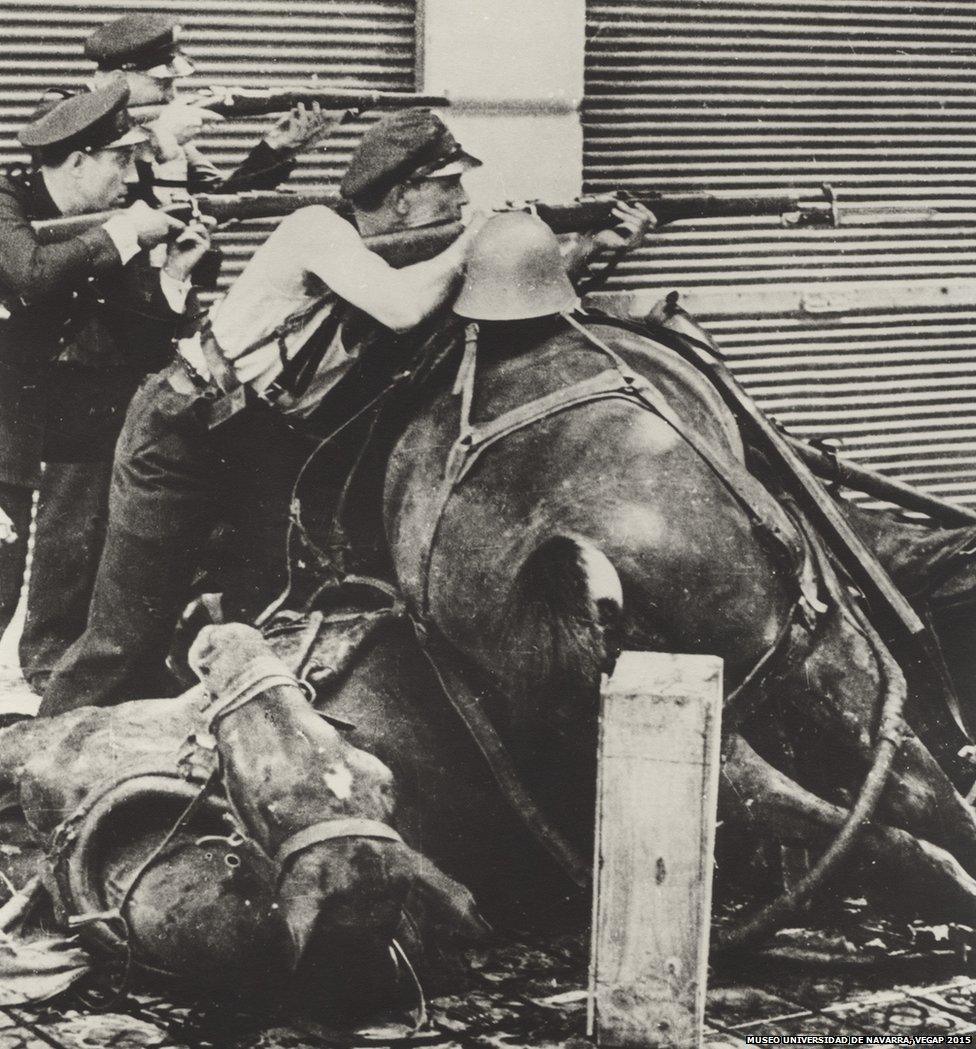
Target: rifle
<point x="581" y="216"/>
<point x="224" y="207"/>
<point x="240" y="103"/>
<point x="795" y="208"/>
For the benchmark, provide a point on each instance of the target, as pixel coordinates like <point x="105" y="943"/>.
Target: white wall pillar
<point x="513" y="70"/>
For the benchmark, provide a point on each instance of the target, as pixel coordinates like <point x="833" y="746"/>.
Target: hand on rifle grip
<point x="151" y="225"/>
<point x="180" y="120"/>
<point x="190" y="245"/>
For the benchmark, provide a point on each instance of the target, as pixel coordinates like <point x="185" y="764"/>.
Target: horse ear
<point x="302" y="906"/>
<point x="442" y="906"/>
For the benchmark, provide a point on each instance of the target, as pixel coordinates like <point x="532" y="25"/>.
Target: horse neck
<point x="517" y="361"/>
<point x="501" y="340"/>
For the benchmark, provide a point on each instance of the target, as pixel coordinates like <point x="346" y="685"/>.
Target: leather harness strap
<point x="619" y="382"/>
<point x="297" y="372"/>
<point x="259" y="675"/>
<point x="334" y="830"/>
<point x="468" y="707"/>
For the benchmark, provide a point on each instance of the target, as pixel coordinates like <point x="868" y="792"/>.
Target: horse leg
<point x="837" y="694"/>
<point x="894" y="865"/>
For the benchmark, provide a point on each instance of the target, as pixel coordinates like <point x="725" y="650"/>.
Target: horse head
<point x="319" y="807"/>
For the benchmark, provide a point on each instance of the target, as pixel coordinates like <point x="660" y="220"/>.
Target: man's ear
<point x="75" y="162"/>
<point x="401" y="197"/>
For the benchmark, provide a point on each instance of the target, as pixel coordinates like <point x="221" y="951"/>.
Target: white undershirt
<point x="281" y="281"/>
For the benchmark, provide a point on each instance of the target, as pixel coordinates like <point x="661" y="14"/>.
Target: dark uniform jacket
<point x="263" y="168"/>
<point x="78" y="331"/>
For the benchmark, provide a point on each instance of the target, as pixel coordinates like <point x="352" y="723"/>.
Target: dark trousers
<point x="69" y="531"/>
<point x="173" y="479"/>
<point x="15" y="501"/>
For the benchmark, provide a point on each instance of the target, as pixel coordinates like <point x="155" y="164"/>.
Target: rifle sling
<point x="299" y="371"/>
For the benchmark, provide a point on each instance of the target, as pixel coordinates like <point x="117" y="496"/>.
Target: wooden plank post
<point x="657" y="791"/>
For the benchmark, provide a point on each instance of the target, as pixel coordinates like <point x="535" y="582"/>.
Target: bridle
<point x="260" y="675"/>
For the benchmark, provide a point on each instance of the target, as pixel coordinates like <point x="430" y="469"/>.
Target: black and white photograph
<point x="487" y="524"/>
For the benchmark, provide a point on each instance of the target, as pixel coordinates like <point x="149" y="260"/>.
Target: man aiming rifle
<point x="88" y="388"/>
<point x="82" y="151"/>
<point x="145" y="49"/>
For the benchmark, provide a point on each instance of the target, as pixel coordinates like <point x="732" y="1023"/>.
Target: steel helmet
<point x="514" y="271"/>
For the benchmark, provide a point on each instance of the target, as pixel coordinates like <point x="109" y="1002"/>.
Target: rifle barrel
<point x="262" y="204"/>
<point x="242" y="102"/>
<point x="670" y="207"/>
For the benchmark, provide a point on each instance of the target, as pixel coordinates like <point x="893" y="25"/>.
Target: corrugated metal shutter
<point x="876" y="97"/>
<point x="255" y="42"/>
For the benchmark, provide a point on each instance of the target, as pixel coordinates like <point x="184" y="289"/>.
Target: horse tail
<point x="561" y="629"/>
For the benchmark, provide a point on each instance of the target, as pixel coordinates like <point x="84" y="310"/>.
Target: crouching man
<point x="220" y="434"/>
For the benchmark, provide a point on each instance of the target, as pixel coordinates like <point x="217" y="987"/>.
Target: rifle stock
<point x="414" y="245"/>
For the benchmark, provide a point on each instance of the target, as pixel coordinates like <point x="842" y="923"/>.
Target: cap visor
<point x="132" y="137"/>
<point x="461" y="163"/>
<point x="178" y="66"/>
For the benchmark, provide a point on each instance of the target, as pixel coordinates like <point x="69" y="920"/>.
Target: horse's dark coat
<point x="697" y="574"/>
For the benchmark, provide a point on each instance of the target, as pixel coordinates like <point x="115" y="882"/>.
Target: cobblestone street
<point x="520" y="996"/>
<point x="525" y="996"/>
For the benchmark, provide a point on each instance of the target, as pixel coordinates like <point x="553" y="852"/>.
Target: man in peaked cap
<point x="146" y="43"/>
<point x="404" y="147"/>
<point x="82" y="151"/>
<point x="145" y="48"/>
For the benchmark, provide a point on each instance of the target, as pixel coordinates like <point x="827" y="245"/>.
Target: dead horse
<point x="582" y="490"/>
